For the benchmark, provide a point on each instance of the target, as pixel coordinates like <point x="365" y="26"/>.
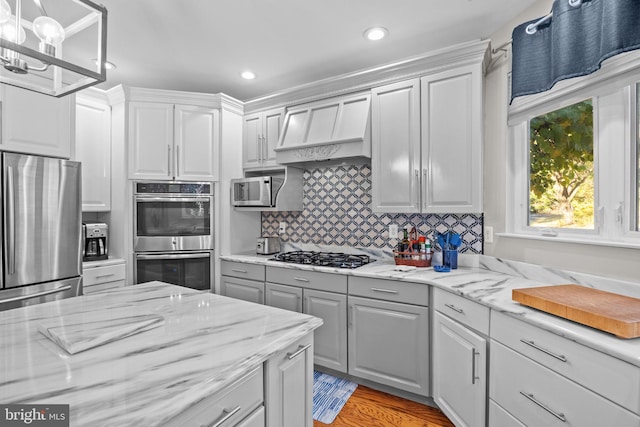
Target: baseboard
<point x="380" y="387"/>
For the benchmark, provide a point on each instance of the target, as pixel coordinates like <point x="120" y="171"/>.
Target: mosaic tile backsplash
<point x="337" y="212"/>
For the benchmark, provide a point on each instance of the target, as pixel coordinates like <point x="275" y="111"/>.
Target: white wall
<point x="600" y="260"/>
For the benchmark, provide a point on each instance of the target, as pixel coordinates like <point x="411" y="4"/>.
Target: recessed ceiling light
<point x="248" y="75"/>
<point x="376" y="33"/>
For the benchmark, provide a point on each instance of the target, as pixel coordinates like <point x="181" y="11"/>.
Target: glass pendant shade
<point x="56" y="55"/>
<point x="48" y="30"/>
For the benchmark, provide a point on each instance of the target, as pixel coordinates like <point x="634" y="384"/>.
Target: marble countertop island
<point x="490" y="281"/>
<point x="155" y="350"/>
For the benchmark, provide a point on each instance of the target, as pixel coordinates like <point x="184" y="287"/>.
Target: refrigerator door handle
<point x="11" y="222"/>
<point x="37" y="294"/>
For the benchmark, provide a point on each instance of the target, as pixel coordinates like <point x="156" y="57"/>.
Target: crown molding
<point x="417" y="66"/>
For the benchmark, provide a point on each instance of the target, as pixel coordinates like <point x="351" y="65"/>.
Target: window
<point x="574" y="162"/>
<point x="561" y="188"/>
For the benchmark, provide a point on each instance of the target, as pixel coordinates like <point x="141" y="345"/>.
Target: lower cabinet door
<point x="389" y="343"/>
<point x="282" y="296"/>
<point x="330" y="339"/>
<point x="459" y="372"/>
<point x="289" y="386"/>
<point x="246" y="290"/>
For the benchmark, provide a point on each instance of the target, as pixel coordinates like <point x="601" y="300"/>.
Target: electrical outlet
<point x="488" y="234"/>
<point x="393" y="231"/>
<point x="282" y="228"/>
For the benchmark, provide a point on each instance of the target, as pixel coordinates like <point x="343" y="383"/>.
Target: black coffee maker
<point x="95" y="241"/>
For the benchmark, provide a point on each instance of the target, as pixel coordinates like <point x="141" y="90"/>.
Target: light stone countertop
<point x="203" y="343"/>
<point x="490" y="283"/>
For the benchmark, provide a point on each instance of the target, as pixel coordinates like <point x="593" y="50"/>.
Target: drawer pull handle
<point x="386" y="291"/>
<point x="301" y="279"/>
<point x="559" y="416"/>
<point x="560" y="357"/>
<point x="454" y="308"/>
<point x="239" y="271"/>
<point x="301" y="349"/>
<point x="474" y="353"/>
<point x="105" y="275"/>
<point x="225" y="416"/>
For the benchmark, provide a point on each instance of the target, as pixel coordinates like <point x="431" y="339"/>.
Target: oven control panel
<point x="173" y="188"/>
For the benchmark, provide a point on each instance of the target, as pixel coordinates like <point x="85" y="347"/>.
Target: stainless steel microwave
<point x="258" y="191"/>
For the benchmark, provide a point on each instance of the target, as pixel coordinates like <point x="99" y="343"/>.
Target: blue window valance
<point x="571" y="41"/>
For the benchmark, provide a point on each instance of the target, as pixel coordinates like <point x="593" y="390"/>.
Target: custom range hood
<point x="338" y="128"/>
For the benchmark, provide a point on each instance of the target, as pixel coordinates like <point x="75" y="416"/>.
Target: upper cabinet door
<point x="261" y="132"/>
<point x="395" y="145"/>
<point x="452" y="140"/>
<point x="252" y="140"/>
<point x="197" y="136"/>
<point x="151" y="140"/>
<point x="271" y="128"/>
<point x="34" y="123"/>
<point x="93" y="149"/>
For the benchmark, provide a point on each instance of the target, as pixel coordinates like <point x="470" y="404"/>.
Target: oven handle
<point x="173" y="256"/>
<point x="172" y="199"/>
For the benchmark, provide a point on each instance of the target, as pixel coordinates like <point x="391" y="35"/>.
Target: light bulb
<point x="48" y="30"/>
<point x="8" y="32"/>
<point x="5" y="11"/>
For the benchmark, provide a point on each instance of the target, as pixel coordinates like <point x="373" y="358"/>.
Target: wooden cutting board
<point x="609" y="312"/>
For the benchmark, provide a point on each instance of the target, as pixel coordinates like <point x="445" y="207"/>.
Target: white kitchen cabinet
<point x="260" y="135"/>
<point x="395" y="146"/>
<point x="173" y="141"/>
<point x="427" y="143"/>
<point x="93" y="149"/>
<point x="460" y="358"/>
<point x="98" y="278"/>
<point x="34" y="123"/>
<point x="323" y="296"/>
<point x="289" y="386"/>
<point x="583" y="368"/>
<point x="284" y="297"/>
<point x="331" y="338"/>
<point x="240" y="404"/>
<point x="246" y="290"/>
<point x="389" y="343"/>
<point x="452" y="115"/>
<point x="459" y="372"/>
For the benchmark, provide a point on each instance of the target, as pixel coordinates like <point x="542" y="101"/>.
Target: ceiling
<point x="204" y="45"/>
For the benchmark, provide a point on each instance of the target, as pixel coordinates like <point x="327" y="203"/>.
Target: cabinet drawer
<point x="390" y="290"/>
<point x="234" y="402"/>
<point x="97" y="275"/>
<point x="537" y="396"/>
<point x="92" y="289"/>
<point x="242" y="270"/>
<point x="465" y="311"/>
<point x="498" y="417"/>
<point x="308" y="279"/>
<point x="606" y="375"/>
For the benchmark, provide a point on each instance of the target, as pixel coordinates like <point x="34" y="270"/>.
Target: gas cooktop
<point x="324" y="259"/>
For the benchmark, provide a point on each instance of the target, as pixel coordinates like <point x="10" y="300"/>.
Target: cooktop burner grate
<point x="324" y="259"/>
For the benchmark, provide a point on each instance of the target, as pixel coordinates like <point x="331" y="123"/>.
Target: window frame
<point x="614" y="91"/>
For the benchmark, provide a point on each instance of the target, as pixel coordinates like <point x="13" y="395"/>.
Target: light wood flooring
<point x="371" y="408"/>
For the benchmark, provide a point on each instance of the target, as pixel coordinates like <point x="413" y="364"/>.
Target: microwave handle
<point x="172" y="256"/>
<point x="171" y="199"/>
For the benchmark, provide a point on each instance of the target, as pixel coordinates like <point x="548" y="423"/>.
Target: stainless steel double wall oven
<point x="174" y="233"/>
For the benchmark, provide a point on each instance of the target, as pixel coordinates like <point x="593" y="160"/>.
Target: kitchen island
<point x="159" y="350"/>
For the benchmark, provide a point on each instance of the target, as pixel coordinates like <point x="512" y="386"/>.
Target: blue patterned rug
<point x="329" y="396"/>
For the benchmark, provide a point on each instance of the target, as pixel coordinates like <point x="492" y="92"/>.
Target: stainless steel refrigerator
<point x="41" y="230"/>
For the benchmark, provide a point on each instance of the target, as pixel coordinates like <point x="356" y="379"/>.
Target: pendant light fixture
<point x="55" y="53"/>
